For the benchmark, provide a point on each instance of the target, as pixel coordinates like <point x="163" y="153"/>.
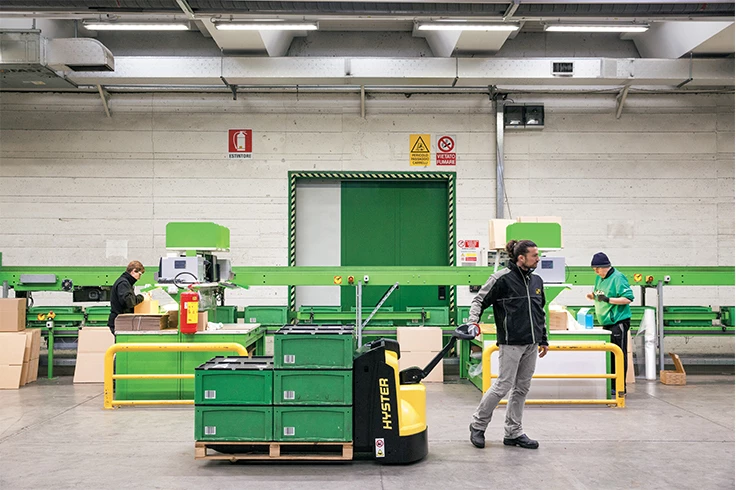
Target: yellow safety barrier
<point x="109" y="399"/>
<point x="619" y="401"/>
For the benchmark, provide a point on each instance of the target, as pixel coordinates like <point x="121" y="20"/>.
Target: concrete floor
<point x="54" y="434"/>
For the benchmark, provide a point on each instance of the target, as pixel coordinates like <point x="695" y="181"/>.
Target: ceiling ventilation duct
<point x="79" y="54"/>
<point x="30" y="61"/>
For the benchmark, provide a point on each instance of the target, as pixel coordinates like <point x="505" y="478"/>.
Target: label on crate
<point x="210" y="394"/>
<point x="252" y="320"/>
<point x="289" y="431"/>
<point x="210" y="430"/>
<point x="380" y="449"/>
<point x="289" y="359"/>
<point x="289" y="395"/>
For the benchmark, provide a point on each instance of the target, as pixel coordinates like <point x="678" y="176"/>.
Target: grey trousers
<point x="516" y="367"/>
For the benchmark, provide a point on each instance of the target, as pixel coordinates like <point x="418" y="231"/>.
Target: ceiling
<point x="354" y="30"/>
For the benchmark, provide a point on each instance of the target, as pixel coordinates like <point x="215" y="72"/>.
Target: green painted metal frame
<point x="449" y="177"/>
<point x="379" y="276"/>
<point x="679" y="275"/>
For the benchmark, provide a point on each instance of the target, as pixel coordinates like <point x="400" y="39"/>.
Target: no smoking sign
<point x="445" y="155"/>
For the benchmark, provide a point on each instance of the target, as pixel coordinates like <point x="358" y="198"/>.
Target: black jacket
<point x="122" y="298"/>
<point x="518" y="303"/>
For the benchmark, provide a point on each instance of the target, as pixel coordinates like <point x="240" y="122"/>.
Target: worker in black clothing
<point x="122" y="297"/>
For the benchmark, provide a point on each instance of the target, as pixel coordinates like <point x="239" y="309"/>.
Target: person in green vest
<point x="612" y="295"/>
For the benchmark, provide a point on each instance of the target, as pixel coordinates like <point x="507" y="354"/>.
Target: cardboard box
<point x="419" y="339"/>
<point x="12" y="314"/>
<point x="10" y="377"/>
<point x="421" y="359"/>
<point x="497" y="232"/>
<point x="202" y="321"/>
<point x="94" y="339"/>
<point x="33" y="344"/>
<point x="130" y="322"/>
<point x="557" y="320"/>
<point x="90" y="367"/>
<point x="147" y="307"/>
<point x="12" y="348"/>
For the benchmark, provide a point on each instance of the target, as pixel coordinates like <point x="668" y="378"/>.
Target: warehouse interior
<point x="341" y="178"/>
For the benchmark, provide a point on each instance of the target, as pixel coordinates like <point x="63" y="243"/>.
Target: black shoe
<point x="522" y="441"/>
<point x="477" y="437"/>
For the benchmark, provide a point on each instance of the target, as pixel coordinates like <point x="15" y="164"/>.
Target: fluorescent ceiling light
<point x="117" y="26"/>
<point x="598" y="28"/>
<point x="467" y="27"/>
<point x="266" y="26"/>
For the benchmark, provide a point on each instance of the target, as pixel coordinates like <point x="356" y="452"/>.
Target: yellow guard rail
<point x="109" y="393"/>
<point x="619" y="401"/>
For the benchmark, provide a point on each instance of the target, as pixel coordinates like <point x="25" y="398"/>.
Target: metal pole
<point x="50" y="340"/>
<point x="500" y="187"/>
<point x="643" y="295"/>
<point x="5" y="289"/>
<point x="660" y="323"/>
<point x="358" y="311"/>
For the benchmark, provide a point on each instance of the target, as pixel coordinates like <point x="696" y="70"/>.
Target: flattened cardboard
<point x="33" y="374"/>
<point x="421" y="359"/>
<point x="90" y="367"/>
<point x="12" y="348"/>
<point x="419" y="339"/>
<point x="10" y="377"/>
<point x="497" y="232"/>
<point x="24" y="373"/>
<point x="131" y="322"/>
<point x="95" y="339"/>
<point x="33" y="344"/>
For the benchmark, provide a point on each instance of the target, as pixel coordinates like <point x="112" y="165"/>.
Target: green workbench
<point x="173" y="362"/>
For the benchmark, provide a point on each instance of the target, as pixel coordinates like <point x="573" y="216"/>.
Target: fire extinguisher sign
<point x="240" y="143"/>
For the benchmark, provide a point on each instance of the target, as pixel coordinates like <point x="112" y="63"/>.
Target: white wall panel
<point x="655" y="187"/>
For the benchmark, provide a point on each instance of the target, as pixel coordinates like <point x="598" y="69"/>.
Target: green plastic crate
<point x="323" y="387"/>
<point x="366" y="311"/>
<point x="225" y="314"/>
<point x="438" y="315"/>
<point x="463" y="312"/>
<point x="314" y="424"/>
<point x="727" y="315"/>
<point x="240" y="424"/>
<point x="241" y="381"/>
<point x="266" y="315"/>
<point x="310" y="351"/>
<point x="97" y="315"/>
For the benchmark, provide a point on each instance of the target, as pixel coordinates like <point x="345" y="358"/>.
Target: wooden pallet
<point x="274" y="451"/>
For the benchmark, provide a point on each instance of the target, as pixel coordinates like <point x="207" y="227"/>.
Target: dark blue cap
<point x="600" y="260"/>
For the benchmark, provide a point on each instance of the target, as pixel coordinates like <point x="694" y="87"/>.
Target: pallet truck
<point x="390" y="406"/>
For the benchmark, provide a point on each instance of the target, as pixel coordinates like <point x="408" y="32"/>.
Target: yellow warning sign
<point x="419" y="152"/>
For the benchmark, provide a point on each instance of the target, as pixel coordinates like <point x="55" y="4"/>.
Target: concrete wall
<point x="655" y="187"/>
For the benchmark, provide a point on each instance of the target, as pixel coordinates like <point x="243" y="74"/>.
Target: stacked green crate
<point x="234" y="400"/>
<point x="266" y="315"/>
<point x="313" y="383"/>
<point x="97" y="315"/>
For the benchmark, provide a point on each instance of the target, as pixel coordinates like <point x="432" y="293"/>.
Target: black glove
<point x="602" y="297"/>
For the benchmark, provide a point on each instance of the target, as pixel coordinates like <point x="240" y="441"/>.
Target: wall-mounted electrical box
<point x="523" y="115"/>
